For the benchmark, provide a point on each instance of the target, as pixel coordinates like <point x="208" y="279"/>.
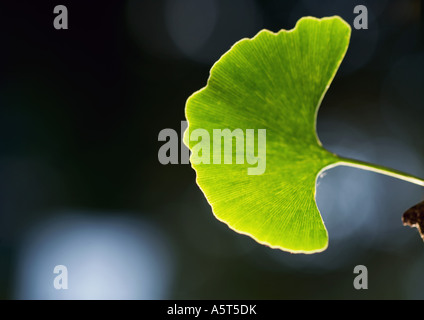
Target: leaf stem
<point x="380" y="169"/>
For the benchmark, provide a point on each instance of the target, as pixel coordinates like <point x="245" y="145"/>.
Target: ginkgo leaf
<point x="273" y="82"/>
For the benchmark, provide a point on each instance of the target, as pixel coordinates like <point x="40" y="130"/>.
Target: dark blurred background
<point x="80" y="180"/>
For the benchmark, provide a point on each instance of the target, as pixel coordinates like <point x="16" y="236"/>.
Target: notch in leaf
<point x="276" y="82"/>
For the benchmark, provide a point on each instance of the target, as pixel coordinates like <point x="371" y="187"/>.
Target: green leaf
<point x="275" y="81"/>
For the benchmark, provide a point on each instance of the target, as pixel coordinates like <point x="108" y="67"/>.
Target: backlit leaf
<point x="276" y="82"/>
